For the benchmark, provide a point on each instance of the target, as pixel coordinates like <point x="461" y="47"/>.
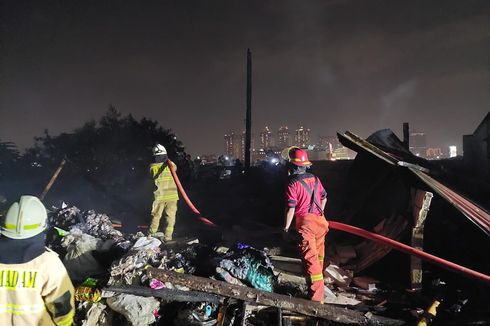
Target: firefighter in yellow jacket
<point x="165" y="194"/>
<point x="34" y="286"/>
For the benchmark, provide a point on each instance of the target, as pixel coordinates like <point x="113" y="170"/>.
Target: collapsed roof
<point x="386" y="146"/>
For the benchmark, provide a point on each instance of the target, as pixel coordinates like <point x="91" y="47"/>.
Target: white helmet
<point x="25" y="218"/>
<point x="159" y="150"/>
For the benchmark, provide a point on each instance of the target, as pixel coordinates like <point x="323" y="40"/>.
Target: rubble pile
<point x="98" y="256"/>
<point x="116" y="284"/>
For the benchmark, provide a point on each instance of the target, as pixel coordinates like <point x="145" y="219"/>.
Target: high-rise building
<point x="329" y="143"/>
<point x="283" y="137"/>
<point x="453" y="151"/>
<point x="229" y="143"/>
<point x="233" y="145"/>
<point x="266" y="139"/>
<point x="302" y="137"/>
<point x="242" y="145"/>
<point x="258" y="155"/>
<point x="434" y="153"/>
<point x="418" y="144"/>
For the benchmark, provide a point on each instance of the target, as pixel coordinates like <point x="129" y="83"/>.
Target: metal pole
<point x="248" y="122"/>
<point x="406" y="136"/>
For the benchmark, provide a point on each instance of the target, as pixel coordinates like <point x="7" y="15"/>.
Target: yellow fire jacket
<point x="166" y="189"/>
<point x="38" y="292"/>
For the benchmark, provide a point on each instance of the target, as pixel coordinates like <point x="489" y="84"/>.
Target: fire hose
<point x="186" y="198"/>
<point x="409" y="250"/>
<point x="362" y="233"/>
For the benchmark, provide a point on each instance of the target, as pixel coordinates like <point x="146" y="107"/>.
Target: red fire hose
<point x="409" y="250"/>
<point x="186" y="198"/>
<point x="362" y="233"/>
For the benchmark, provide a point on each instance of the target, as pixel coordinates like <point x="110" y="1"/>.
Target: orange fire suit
<point x="312" y="230"/>
<point x="305" y="193"/>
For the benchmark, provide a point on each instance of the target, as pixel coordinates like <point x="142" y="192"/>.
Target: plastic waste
<point x="65" y="217"/>
<point x="61" y="232"/>
<point x="99" y="225"/>
<point x="137" y="310"/>
<point x="156" y="284"/>
<point x="86" y="293"/>
<point x="337" y="275"/>
<point x="145" y="243"/>
<point x="260" y="277"/>
<point x="130" y="267"/>
<point x="78" y="260"/>
<point x="242" y="245"/>
<point x="97" y="314"/>
<point x="251" y="266"/>
<point x="208" y="310"/>
<point x="227" y="277"/>
<point x="330" y="297"/>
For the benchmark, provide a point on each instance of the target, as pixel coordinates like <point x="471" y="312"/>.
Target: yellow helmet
<point x="285" y="153"/>
<point x="25" y="218"/>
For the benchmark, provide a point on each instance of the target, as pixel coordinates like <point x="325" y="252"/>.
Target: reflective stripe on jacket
<point x="166" y="189"/>
<point x="38" y="292"/>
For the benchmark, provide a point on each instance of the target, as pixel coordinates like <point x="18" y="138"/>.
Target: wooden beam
<point x="420" y="206"/>
<point x="305" y="307"/>
<point x="166" y="294"/>
<point x="52" y="180"/>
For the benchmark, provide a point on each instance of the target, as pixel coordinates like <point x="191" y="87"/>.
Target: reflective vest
<point x="38" y="292"/>
<point x="166" y="189"/>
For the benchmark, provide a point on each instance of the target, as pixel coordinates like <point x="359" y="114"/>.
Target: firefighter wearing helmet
<point x="35" y="288"/>
<point x="165" y="196"/>
<point x="306" y="199"/>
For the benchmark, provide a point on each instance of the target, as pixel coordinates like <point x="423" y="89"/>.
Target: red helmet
<point x="299" y="157"/>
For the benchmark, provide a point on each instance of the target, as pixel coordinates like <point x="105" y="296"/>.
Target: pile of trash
<point x="98" y="256"/>
<point x="115" y="284"/>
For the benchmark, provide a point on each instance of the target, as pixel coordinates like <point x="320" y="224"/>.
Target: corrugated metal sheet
<point x="476" y="214"/>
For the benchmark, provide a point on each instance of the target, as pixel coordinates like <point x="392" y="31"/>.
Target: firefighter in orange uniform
<point x="306" y="200"/>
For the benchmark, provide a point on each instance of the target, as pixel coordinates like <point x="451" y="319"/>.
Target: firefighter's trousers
<point x="312" y="230"/>
<point x="168" y="209"/>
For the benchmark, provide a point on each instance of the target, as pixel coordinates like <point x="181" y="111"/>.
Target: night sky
<point x="329" y="65"/>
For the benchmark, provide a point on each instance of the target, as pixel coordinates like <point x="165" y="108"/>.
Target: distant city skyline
<point x="301" y="136"/>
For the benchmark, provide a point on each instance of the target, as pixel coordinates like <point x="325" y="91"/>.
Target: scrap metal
<point x="475" y="213"/>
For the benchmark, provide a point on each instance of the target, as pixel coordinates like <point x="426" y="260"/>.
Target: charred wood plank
<point x="166" y="294"/>
<point x="305" y="307"/>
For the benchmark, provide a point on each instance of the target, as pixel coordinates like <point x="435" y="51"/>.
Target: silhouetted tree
<point x="114" y="153"/>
